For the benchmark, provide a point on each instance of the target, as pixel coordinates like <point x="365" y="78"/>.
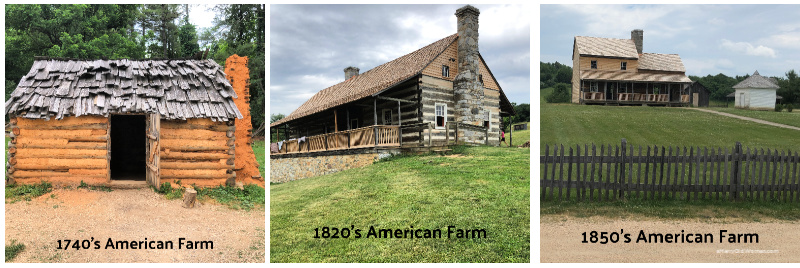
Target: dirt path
<point x="746" y="118"/>
<point x="561" y="238"/>
<point x="131" y="215"/>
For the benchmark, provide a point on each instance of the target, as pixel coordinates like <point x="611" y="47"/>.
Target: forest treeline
<point x="135" y="32"/>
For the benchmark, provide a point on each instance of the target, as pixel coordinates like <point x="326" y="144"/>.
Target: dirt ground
<point x="131" y="215"/>
<point x="561" y="241"/>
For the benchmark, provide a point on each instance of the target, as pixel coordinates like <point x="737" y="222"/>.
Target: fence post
<point x="737" y="155"/>
<point x="620" y="189"/>
<point x="430" y="129"/>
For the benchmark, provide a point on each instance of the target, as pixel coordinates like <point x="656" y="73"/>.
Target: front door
<point x="153" y="148"/>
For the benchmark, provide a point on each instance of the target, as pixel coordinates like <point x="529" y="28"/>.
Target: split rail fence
<point x="686" y="173"/>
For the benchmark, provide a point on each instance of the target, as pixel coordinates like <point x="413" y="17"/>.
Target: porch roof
<point x="634" y="76"/>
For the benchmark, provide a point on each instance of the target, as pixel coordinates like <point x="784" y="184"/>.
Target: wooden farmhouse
<point x="436" y="95"/>
<point x="756" y="93"/>
<point x="617" y="72"/>
<point x="122" y="121"/>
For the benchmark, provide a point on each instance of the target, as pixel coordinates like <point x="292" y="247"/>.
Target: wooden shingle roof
<point x="372" y="81"/>
<point x="606" y="47"/>
<point x="757" y="81"/>
<point x="176" y="89"/>
<point x="607" y="75"/>
<point x="661" y="62"/>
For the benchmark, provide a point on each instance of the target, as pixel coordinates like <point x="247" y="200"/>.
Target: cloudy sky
<point x="711" y="39"/>
<point x="310" y="45"/>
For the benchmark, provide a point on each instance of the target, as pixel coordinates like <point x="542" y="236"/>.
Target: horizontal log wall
<point x="197" y="151"/>
<point x="440" y="91"/>
<point x="65" y="151"/>
<point x="610" y="64"/>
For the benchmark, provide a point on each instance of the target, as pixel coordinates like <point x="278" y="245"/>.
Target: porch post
<point x="399" y="124"/>
<point x="348" y="119"/>
<point x="375" y="117"/>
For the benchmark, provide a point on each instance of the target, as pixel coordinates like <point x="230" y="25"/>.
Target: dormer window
<point x="623" y="65"/>
<point x="594" y="64"/>
<point x="445" y="71"/>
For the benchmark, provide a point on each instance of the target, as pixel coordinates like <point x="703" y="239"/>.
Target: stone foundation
<point x="286" y="168"/>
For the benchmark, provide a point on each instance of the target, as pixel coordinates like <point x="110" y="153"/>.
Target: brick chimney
<point x="469" y="96"/>
<point x="637" y="36"/>
<point x="350" y="72"/>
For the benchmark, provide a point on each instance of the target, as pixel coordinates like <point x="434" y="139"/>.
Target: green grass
<point x="13" y="250"/>
<point x="570" y="124"/>
<point x="26" y="192"/>
<point x="484" y="188"/>
<point x="252" y="196"/>
<point x="543" y="93"/>
<point x="520" y="136"/>
<point x="784" y="117"/>
<point x="259" y="148"/>
<point x="675" y="209"/>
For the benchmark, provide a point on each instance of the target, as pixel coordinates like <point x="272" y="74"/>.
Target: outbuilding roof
<point x="757" y="81"/>
<point x="606" y="47"/>
<point x="176" y="89"/>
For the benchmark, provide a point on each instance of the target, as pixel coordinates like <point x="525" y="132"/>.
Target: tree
<point x="79" y="31"/>
<point x="243" y="33"/>
<point x="160" y="19"/>
<point x="789" y="87"/>
<point x="275" y="117"/>
<point x="561" y="93"/>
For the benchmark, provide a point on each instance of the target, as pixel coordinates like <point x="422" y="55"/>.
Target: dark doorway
<point x="128" y="152"/>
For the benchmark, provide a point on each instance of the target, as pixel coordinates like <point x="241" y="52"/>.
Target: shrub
<point x="789" y="107"/>
<point x="778" y="107"/>
<point x="561" y="93"/>
<point x="13" y="249"/>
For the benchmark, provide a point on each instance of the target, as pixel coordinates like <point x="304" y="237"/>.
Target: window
<point x="354" y="123"/>
<point x="594" y="64"/>
<point x="593" y="86"/>
<point x="445" y="71"/>
<point x="480" y="77"/>
<point x="441" y="115"/>
<point x="486" y="119"/>
<point x="623" y="65"/>
<point x="387" y="116"/>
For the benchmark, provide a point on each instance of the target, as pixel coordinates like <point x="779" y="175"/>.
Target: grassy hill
<point x="476" y="188"/>
<point x="571" y="124"/>
<point x="519" y="136"/>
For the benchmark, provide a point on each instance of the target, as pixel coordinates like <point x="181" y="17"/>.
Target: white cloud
<point x="612" y="20"/>
<point x="785" y="40"/>
<point x="748" y="49"/>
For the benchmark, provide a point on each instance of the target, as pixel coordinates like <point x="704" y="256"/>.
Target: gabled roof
<point x="176" y="89"/>
<point x="372" y="81"/>
<point x="757" y="81"/>
<point x="661" y="62"/>
<point x="606" y="47"/>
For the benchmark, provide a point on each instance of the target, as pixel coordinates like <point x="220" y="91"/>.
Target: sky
<point x="710" y="39"/>
<point x="310" y="45"/>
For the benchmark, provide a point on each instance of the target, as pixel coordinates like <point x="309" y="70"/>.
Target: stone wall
<point x="301" y="166"/>
<point x="469" y="95"/>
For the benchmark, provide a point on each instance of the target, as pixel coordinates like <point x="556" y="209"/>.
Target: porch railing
<point x="365" y="137"/>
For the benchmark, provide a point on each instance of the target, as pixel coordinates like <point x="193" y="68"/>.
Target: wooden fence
<point x="687" y="173"/>
<point x="365" y="137"/>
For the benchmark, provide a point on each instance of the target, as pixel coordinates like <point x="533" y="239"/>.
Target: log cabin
<point x="103" y="122"/>
<point x="614" y="71"/>
<point x="437" y="95"/>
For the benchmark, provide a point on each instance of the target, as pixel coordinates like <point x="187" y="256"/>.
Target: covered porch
<point x="634" y="93"/>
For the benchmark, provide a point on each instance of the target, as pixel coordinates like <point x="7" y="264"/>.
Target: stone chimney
<point x="350" y="72"/>
<point x="468" y="90"/>
<point x="637" y="36"/>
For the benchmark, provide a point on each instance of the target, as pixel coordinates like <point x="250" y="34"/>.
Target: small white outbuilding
<point x="756" y="93"/>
